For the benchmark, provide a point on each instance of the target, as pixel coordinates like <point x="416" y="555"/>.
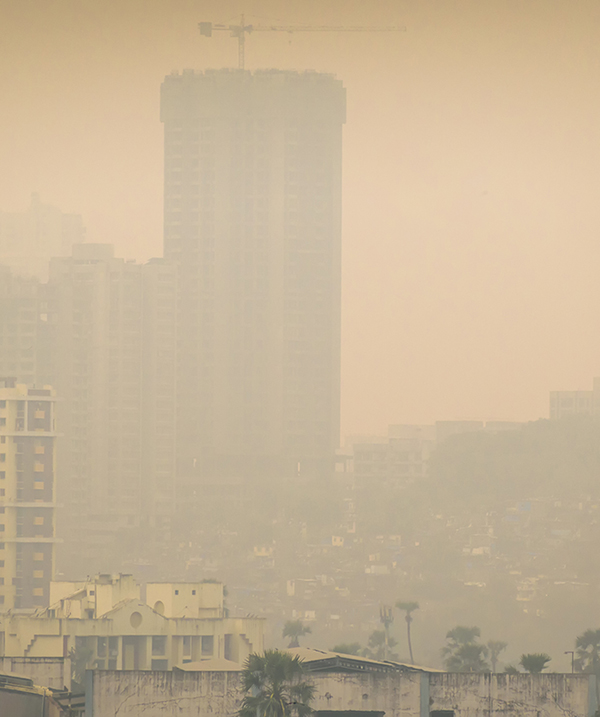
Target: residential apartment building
<point x="570" y="403"/>
<point x="23" y="328"/>
<point x="253" y="220"/>
<point x="106" y="620"/>
<point x="403" y="455"/>
<point x="27" y="495"/>
<point x="29" y="239"/>
<point x="113" y="365"/>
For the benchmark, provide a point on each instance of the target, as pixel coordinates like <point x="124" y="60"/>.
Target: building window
<point x="38" y="592"/>
<point x="193" y="592"/>
<point x="38" y="485"/>
<point x="2" y="457"/>
<point x="2" y="475"/>
<point x="2" y="404"/>
<point x="38" y="556"/>
<point x="176" y="592"/>
<point x="38" y="573"/>
<point x="207" y="644"/>
<point x="159" y="645"/>
<point x="160" y="665"/>
<point x="38" y="520"/>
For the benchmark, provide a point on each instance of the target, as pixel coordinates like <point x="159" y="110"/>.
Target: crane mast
<point x="240" y="31"/>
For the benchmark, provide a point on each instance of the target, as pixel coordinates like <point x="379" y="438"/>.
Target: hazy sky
<point x="471" y="174"/>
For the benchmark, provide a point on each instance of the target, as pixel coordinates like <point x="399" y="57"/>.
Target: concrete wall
<point x="398" y="695"/>
<point x="196" y="694"/>
<point x="162" y="694"/>
<point x="53" y="672"/>
<point x="523" y="695"/>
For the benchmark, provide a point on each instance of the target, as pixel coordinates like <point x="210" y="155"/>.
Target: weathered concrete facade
<point x="472" y="695"/>
<point x="52" y="672"/>
<point x="401" y="694"/>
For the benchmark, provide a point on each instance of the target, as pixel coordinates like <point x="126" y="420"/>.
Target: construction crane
<point x="240" y="31"/>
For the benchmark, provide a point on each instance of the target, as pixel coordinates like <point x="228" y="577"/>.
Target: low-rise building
<point x="105" y="624"/>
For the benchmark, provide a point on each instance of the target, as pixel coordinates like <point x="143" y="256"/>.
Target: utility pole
<point x="572" y="653"/>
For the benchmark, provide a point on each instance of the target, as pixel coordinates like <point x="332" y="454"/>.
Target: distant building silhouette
<point x="253" y="219"/>
<point x="570" y="403"/>
<point x="113" y="365"/>
<point x="29" y="239"/>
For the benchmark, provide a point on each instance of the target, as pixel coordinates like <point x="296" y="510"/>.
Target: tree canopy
<point x="535" y="662"/>
<point x="275" y="685"/>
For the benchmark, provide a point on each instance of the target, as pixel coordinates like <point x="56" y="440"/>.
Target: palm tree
<point x="496" y="647"/>
<point x="409" y="608"/>
<point x="463" y="653"/>
<point x="587" y="648"/>
<point x="534" y="662"/>
<point x="274" y="686"/>
<point x="294" y="629"/>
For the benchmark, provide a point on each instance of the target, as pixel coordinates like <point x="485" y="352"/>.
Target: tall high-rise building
<point x="253" y="219"/>
<point x="27" y="495"/>
<point x="23" y="329"/>
<point x="112" y="324"/>
<point x="29" y="239"/>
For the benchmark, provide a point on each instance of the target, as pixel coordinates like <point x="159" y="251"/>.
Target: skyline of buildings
<point x="180" y="379"/>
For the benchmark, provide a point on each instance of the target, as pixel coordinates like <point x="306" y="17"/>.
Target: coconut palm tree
<point x="587" y="648"/>
<point x="496" y="647"/>
<point x="534" y="662"/>
<point x="294" y="629"/>
<point x="463" y="652"/>
<point x="275" y="686"/>
<point x="409" y="608"/>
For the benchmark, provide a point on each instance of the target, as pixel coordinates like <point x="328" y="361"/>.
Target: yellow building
<point x="27" y="490"/>
<point x="105" y="622"/>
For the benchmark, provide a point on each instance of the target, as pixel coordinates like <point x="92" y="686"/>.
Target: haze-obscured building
<point x="105" y="620"/>
<point x="403" y="455"/>
<point x="29" y="239"/>
<point x="253" y="219"/>
<point x="113" y="364"/>
<point x="24" y="334"/>
<point x="27" y="495"/>
<point x="571" y="403"/>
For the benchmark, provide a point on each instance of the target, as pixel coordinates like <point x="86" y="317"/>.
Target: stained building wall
<point x="397" y="694"/>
